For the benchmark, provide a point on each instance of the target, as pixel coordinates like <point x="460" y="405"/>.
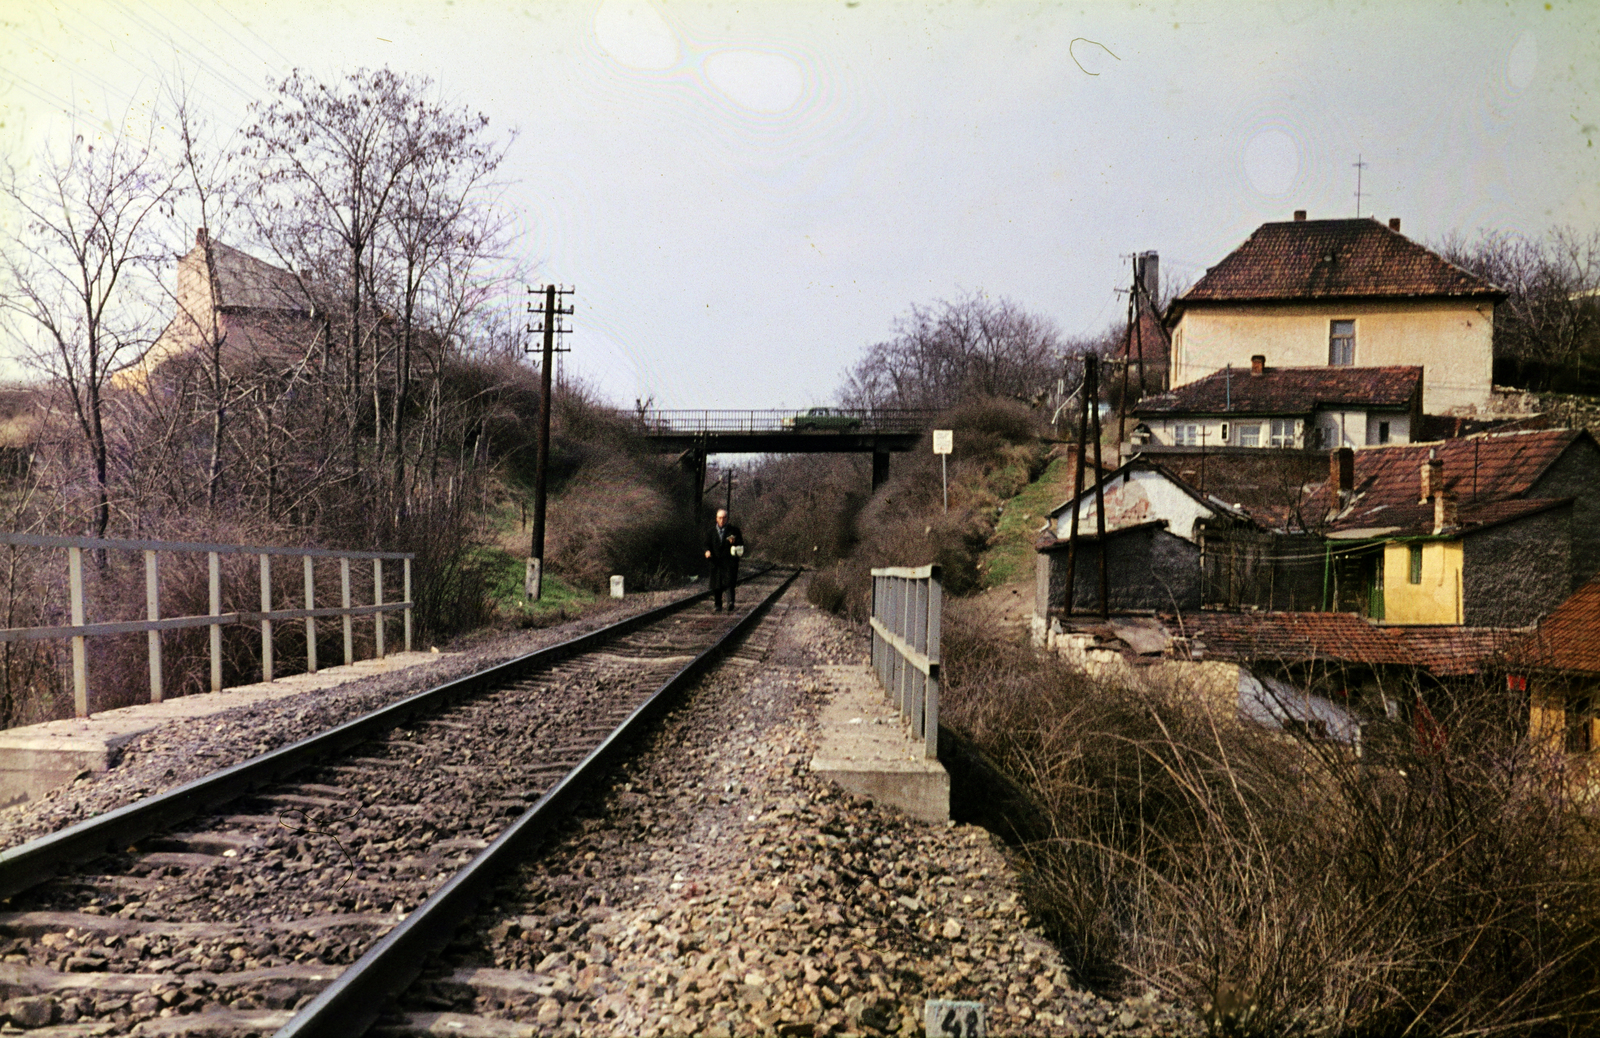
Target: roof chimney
<point x="1299" y="214"/>
<point x="1432" y="478"/>
<point x="1342" y="470"/>
<point x="1258" y="363"/>
<point x="1150" y="274"/>
<point x="1394" y="224"/>
<point x="1445" y="513"/>
<point x="199" y="235"/>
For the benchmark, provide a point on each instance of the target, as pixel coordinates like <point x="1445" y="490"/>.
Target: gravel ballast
<point x="719" y="888"/>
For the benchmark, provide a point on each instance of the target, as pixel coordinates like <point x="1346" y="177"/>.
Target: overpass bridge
<point x="697" y="434"/>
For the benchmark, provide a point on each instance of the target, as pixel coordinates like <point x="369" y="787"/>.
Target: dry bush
<point x="1282" y="886"/>
<point x="904" y="523"/>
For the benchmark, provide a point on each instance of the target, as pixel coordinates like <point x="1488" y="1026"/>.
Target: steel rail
<point x="29" y="864"/>
<point x="350" y="1005"/>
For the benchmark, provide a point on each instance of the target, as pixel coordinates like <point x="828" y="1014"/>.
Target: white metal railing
<point x="80" y="629"/>
<point x="905" y="646"/>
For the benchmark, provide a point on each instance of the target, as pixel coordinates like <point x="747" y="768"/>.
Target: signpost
<point x="943" y="442"/>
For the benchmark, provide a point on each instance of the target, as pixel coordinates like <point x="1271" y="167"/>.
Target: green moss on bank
<point x="1010" y="554"/>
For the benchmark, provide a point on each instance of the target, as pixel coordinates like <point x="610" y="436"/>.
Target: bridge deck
<point x="784" y="432"/>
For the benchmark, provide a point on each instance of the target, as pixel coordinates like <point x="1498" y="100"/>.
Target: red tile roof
<point x="1291" y="637"/>
<point x="1449" y="651"/>
<point x="1151" y="339"/>
<point x="1569" y="638"/>
<point x="1331" y="259"/>
<point x="1288" y="391"/>
<point x="1488" y="474"/>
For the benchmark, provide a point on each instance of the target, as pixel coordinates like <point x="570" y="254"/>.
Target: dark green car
<point x="822" y="418"/>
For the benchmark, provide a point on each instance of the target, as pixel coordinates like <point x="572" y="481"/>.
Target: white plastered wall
<point x="1135" y="497"/>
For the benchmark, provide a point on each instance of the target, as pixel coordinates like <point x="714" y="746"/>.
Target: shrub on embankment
<point x="1284" y="886"/>
<point x="818" y="512"/>
<point x="455" y="502"/>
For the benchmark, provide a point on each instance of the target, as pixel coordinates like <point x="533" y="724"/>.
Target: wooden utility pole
<point x="1088" y="427"/>
<point x="551" y="314"/>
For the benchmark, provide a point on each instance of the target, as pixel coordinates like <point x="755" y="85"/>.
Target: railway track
<point x="298" y="892"/>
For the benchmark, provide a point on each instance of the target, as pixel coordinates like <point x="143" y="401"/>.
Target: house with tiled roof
<point x="1559" y="664"/>
<point x="254" y="312"/>
<point x="1315" y="408"/>
<point x="1340" y="293"/>
<point x="1487" y="531"/>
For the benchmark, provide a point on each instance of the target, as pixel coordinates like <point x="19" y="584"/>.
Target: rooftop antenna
<point x="1359" y="165"/>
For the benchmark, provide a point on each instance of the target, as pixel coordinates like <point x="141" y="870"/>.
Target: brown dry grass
<point x="1285" y="887"/>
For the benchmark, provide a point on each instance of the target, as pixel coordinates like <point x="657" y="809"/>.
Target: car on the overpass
<point x="822" y="418"/>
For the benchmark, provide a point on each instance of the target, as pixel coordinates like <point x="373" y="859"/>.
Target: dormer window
<point x="1342" y="344"/>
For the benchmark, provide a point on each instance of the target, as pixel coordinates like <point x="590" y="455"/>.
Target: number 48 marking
<point x="954" y="1019"/>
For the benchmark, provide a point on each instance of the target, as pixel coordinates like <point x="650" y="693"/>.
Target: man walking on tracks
<point x="724" y="545"/>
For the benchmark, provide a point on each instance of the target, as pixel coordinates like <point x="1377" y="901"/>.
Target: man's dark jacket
<point x="719" y="541"/>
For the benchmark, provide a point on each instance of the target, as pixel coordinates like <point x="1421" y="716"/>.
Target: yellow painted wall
<point x="1437" y="600"/>
<point x="1450" y="340"/>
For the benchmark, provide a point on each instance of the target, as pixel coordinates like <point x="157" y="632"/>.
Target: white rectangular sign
<point x="943" y="440"/>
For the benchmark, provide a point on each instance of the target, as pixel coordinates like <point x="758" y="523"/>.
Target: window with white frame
<point x="1247" y="435"/>
<point x="1185" y="435"/>
<point x="1283" y="432"/>
<point x="1342" y="344"/>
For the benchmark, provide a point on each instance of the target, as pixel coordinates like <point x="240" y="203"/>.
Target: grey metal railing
<point x="80" y="629"/>
<point x="905" y="646"/>
<point x="730" y="421"/>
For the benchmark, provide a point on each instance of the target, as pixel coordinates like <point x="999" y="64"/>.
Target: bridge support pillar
<point x="695" y="461"/>
<point x="880" y="468"/>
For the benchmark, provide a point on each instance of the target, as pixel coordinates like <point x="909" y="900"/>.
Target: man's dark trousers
<point x="724" y="577"/>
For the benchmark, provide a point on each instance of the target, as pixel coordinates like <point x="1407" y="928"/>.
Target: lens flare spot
<point x="634" y="34"/>
<point x="1523" y="61"/>
<point x="756" y="80"/>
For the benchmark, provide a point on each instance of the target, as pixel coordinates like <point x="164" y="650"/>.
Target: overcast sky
<point x="747" y="195"/>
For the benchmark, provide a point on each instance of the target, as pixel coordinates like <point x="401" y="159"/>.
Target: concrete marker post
<point x="80" y="662"/>
<point x="344" y="601"/>
<point x="377" y="600"/>
<point x="311" y="621"/>
<point x="152" y="607"/>
<point x="214" y="568"/>
<point x="266" y="625"/>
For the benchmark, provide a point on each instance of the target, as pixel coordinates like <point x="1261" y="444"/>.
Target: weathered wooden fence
<point x="80" y="629"/>
<point x="905" y="646"/>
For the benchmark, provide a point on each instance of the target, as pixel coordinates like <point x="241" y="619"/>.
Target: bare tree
<point x="78" y="270"/>
<point x="1548" y="329"/>
<point x="953" y="352"/>
<point x="386" y="193"/>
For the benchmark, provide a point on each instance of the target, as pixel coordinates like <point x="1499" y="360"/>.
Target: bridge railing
<point x="906" y="607"/>
<point x="79" y="629"/>
<point x="679" y="422"/>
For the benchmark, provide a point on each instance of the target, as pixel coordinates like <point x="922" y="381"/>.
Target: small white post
<point x="617" y="590"/>
<point x="216" y="629"/>
<point x="311" y="621"/>
<point x="377" y="600"/>
<point x="266" y="625"/>
<point x="408" y="606"/>
<point x="344" y="601"/>
<point x="152" y="605"/>
<point x="80" y="663"/>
